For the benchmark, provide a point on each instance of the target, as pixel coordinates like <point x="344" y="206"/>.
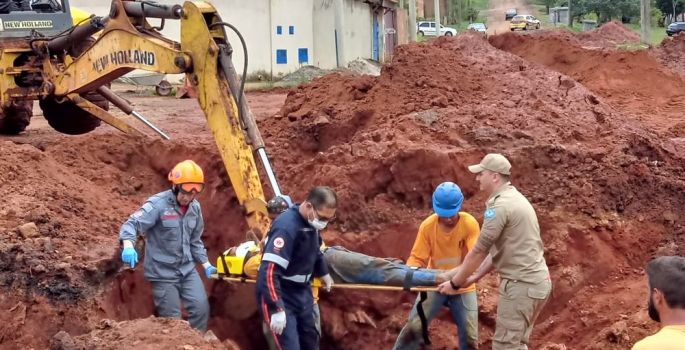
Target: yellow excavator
<point x="67" y="63"/>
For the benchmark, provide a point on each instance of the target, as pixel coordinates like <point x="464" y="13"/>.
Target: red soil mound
<point x="632" y="82"/>
<point x="671" y="53"/>
<point x="609" y="35"/>
<point x="160" y="333"/>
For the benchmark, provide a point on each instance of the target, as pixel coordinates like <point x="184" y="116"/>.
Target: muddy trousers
<point x="347" y="266"/>
<point x="464" y="310"/>
<point x="519" y="305"/>
<point x="190" y="290"/>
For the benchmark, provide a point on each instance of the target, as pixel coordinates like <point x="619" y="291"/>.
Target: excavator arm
<point x="127" y="42"/>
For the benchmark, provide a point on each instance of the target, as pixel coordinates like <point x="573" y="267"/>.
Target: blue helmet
<point x="447" y="199"/>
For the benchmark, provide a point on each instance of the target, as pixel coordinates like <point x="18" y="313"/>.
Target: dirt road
<point x="496" y="22"/>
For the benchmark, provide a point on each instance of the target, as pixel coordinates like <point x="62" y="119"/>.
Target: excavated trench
<point x="605" y="184"/>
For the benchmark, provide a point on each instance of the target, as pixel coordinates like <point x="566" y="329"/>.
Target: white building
<point x="283" y="35"/>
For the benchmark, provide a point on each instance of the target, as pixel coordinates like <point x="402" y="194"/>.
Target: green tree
<point x="671" y="7"/>
<point x="628" y="8"/>
<point x="606" y="10"/>
<point x="548" y="4"/>
<point x="579" y="8"/>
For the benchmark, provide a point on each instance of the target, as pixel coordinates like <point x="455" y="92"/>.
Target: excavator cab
<point x="24" y="18"/>
<point x="23" y="23"/>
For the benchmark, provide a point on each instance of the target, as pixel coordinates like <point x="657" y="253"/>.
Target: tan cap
<point x="494" y="162"/>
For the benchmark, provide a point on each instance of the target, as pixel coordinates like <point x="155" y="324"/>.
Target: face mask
<point x="318" y="224"/>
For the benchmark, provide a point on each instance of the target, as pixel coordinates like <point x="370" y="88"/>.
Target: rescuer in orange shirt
<point x="443" y="240"/>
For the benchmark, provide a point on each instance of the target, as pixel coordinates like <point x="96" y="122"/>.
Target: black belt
<point x="419" y="306"/>
<point x="422" y="317"/>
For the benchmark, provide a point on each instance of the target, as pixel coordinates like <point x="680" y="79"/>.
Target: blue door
<point x="376" y="44"/>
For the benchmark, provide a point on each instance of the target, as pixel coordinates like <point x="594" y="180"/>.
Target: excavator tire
<point x="68" y="118"/>
<point x="15" y="118"/>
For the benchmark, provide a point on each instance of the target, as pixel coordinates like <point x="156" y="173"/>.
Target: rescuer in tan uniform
<point x="509" y="242"/>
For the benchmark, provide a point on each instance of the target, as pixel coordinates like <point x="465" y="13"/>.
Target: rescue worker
<point x="275" y="207"/>
<point x="173" y="225"/>
<point x="666" y="305"/>
<point x="443" y="240"/>
<point x="511" y="235"/>
<point x="291" y="259"/>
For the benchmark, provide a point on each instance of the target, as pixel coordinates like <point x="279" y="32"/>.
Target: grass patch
<point x="480" y="4"/>
<point x="658" y="34"/>
<point x="631" y="47"/>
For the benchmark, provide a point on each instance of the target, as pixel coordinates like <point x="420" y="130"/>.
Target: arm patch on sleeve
<point x="147" y="207"/>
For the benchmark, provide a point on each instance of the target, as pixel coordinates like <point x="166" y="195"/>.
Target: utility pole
<point x="437" y="17"/>
<point x="412" y="20"/>
<point x="645" y="21"/>
<point x="570" y="15"/>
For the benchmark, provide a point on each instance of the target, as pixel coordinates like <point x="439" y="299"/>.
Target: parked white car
<point x="428" y="29"/>
<point x="478" y="27"/>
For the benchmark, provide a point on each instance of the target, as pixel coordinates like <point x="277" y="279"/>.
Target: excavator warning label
<point x="7" y="25"/>
<point x="118" y="58"/>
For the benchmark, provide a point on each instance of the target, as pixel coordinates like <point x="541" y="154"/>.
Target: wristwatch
<point x="454" y="286"/>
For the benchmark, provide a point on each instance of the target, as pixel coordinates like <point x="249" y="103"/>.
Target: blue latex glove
<point x="129" y="256"/>
<point x="210" y="270"/>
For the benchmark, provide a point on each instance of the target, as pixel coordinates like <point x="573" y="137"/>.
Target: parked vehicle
<point x="510" y="14"/>
<point x="478" y="27"/>
<point x="428" y="29"/>
<point x="524" y="22"/>
<point x="675" y="28"/>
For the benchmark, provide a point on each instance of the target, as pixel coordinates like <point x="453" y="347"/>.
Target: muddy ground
<point x="595" y="137"/>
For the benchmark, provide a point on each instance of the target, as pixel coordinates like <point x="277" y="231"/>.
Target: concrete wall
<point x="356" y="38"/>
<point x="287" y="15"/>
<point x="252" y="20"/>
<point x="357" y="30"/>
<point x="323" y="21"/>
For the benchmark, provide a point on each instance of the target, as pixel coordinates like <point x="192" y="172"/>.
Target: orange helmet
<point x="187" y="172"/>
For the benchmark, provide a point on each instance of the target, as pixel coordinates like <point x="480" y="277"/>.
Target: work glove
<point x="129" y="255"/>
<point x="278" y="322"/>
<point x="327" y="282"/>
<point x="209" y="269"/>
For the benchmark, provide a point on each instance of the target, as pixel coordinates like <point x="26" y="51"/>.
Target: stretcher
<point x="339" y="285"/>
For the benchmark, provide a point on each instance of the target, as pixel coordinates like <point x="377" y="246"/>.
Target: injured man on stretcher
<point x="346" y="266"/>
